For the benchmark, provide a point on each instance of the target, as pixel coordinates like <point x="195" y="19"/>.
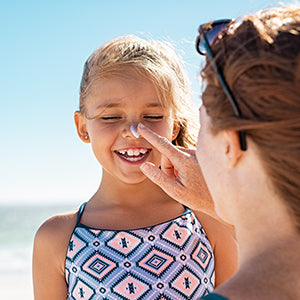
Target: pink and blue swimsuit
<point x="168" y="261"/>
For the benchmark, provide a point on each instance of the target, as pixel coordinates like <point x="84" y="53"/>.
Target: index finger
<point x="162" y="144"/>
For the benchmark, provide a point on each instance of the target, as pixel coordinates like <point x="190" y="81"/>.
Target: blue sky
<point x="44" y="45"/>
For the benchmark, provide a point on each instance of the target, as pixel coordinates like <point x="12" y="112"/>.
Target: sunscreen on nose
<point x="133" y="129"/>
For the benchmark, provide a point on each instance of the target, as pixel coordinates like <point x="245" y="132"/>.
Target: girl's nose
<point x="133" y="129"/>
<point x="130" y="130"/>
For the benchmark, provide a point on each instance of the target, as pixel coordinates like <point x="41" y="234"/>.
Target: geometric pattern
<point x="186" y="283"/>
<point x="125" y="243"/>
<point x="171" y="260"/>
<point x="156" y="262"/>
<point x="131" y="287"/>
<point x="98" y="266"/>
<point x="176" y="235"/>
<point x="82" y="290"/>
<point x="202" y="255"/>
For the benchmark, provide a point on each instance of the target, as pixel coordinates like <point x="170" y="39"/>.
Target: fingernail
<point x="141" y="125"/>
<point x="145" y="167"/>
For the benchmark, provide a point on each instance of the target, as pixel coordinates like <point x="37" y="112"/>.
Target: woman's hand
<point x="179" y="175"/>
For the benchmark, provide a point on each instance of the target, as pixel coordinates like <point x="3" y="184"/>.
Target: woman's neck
<point x="270" y="274"/>
<point x="261" y="225"/>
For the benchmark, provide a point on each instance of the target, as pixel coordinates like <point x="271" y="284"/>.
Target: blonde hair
<point x="260" y="60"/>
<point x="155" y="60"/>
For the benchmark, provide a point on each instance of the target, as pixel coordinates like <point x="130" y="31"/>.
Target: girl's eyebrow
<point x="109" y="105"/>
<point x="154" y="104"/>
<point x="120" y="104"/>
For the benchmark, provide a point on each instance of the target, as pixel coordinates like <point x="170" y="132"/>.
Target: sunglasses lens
<point x="211" y="35"/>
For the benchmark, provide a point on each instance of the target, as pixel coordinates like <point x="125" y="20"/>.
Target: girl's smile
<point x="134" y="155"/>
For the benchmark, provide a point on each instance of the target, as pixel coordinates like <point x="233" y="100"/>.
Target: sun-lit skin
<point x="112" y="107"/>
<point x="211" y="164"/>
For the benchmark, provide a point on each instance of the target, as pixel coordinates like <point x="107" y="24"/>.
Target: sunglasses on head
<point x="207" y="35"/>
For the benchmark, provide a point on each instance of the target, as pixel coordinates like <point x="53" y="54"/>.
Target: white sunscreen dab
<point x="133" y="129"/>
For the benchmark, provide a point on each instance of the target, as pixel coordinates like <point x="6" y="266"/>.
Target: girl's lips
<point x="134" y="155"/>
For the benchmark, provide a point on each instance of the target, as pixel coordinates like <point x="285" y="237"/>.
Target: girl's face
<point x="112" y="106"/>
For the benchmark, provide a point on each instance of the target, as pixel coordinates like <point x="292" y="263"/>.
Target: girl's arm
<point x="224" y="247"/>
<point x="50" y="247"/>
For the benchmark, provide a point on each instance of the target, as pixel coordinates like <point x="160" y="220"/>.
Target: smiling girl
<point x="131" y="240"/>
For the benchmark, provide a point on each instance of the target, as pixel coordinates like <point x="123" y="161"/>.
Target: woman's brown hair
<point x="260" y="60"/>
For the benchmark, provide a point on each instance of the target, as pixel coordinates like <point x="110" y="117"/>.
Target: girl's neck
<point x="116" y="193"/>
<point x="121" y="206"/>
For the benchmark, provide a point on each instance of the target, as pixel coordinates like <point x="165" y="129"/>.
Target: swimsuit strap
<point x="80" y="212"/>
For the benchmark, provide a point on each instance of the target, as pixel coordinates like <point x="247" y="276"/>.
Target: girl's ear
<point x="80" y="123"/>
<point x="233" y="149"/>
<point x="176" y="129"/>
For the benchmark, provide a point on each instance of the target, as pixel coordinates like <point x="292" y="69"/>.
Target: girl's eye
<point x="154" y="117"/>
<point x="111" y="118"/>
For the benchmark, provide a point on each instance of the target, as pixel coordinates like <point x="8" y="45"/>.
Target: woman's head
<point x="154" y="60"/>
<point x="260" y="60"/>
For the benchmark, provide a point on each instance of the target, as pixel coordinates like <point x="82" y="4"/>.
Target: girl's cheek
<point x="100" y="126"/>
<point x="161" y="128"/>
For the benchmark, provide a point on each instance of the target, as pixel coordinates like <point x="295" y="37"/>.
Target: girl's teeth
<point x="133" y="152"/>
<point x="136" y="153"/>
<point x="130" y="152"/>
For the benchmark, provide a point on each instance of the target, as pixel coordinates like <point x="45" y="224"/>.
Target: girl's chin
<point x="135" y="179"/>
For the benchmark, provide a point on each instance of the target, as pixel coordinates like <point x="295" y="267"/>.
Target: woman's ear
<point x="80" y="122"/>
<point x="233" y="148"/>
<point x="176" y="129"/>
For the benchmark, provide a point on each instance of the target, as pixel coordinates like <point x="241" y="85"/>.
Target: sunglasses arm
<point x="226" y="89"/>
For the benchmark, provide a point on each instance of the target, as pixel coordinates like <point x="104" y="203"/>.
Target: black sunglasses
<point x="207" y="35"/>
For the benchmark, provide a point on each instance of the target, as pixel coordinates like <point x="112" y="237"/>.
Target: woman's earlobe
<point x="233" y="149"/>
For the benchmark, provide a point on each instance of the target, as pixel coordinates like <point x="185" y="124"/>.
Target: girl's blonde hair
<point x="260" y="60"/>
<point x="159" y="63"/>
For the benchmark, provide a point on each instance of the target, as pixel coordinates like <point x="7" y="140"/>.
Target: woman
<point x="248" y="149"/>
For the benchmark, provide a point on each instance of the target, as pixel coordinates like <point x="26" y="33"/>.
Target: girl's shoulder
<point x="54" y="234"/>
<point x="223" y="244"/>
<point x="214" y="230"/>
<point x="49" y="250"/>
<point x="58" y="224"/>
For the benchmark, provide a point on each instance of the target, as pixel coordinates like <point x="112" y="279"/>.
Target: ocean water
<point x="18" y="225"/>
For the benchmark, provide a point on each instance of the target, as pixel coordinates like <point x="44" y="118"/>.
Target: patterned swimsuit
<point x="168" y="261"/>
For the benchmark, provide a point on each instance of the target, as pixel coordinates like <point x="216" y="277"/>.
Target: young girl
<point x="131" y="240"/>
